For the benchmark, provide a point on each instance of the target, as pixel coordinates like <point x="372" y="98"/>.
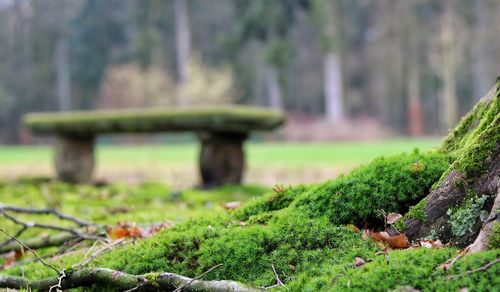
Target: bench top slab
<point x="230" y="119"/>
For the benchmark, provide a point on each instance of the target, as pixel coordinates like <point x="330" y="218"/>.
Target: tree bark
<point x="482" y="240"/>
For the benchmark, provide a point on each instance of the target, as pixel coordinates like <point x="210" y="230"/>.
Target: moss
<point x="494" y="239"/>
<point x="463" y="219"/>
<point x="152" y="279"/>
<point x="417" y="211"/>
<point x="479" y="281"/>
<point x="473" y="150"/>
<point x="459" y="136"/>
<point x="224" y="119"/>
<point x="389" y="184"/>
<point x="270" y="202"/>
<point x="400" y="225"/>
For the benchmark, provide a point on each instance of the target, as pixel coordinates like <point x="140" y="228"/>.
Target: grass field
<point x="267" y="163"/>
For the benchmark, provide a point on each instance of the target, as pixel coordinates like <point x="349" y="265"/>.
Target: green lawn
<point x="296" y="155"/>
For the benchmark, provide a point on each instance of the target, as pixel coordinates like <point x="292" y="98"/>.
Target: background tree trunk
<point x="63" y="74"/>
<point x="273" y="88"/>
<point x="183" y="47"/>
<point x="449" y="113"/>
<point x="415" y="119"/>
<point x="334" y="104"/>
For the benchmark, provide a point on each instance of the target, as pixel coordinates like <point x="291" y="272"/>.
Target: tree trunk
<point x="63" y="74"/>
<point x="183" y="48"/>
<point x="451" y="212"/>
<point x="449" y="99"/>
<point x="415" y="119"/>
<point x="332" y="84"/>
<point x="273" y="88"/>
<point x="479" y="43"/>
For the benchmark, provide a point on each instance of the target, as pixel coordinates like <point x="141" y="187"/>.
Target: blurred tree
<point x="327" y="14"/>
<point x="183" y="47"/>
<point x="449" y="114"/>
<point x="268" y="22"/>
<point x="98" y="35"/>
<point x="413" y="48"/>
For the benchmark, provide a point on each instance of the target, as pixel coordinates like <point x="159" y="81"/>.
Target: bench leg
<point x="222" y="159"/>
<point x="74" y="158"/>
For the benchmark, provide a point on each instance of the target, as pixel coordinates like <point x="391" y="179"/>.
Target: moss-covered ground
<point x="304" y="231"/>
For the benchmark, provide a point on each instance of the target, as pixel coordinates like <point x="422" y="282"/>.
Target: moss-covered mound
<point x="303" y="236"/>
<point x="290" y="229"/>
<point x="213" y="119"/>
<point x="301" y="233"/>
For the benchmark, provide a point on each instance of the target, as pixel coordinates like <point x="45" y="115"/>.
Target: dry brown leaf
<point x="398" y="241"/>
<point x="353" y="228"/>
<point x="358" y="262"/>
<point x="131" y="230"/>
<point x="393" y="217"/>
<point x="231" y="205"/>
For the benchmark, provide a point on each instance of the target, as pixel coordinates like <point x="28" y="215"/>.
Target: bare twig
<point x="107" y="248"/>
<point x="18" y="233"/>
<point x="198" y="277"/>
<point x="47" y="226"/>
<point x="277" y="277"/>
<point x="58" y="286"/>
<point x="32" y="251"/>
<point x="55" y="212"/>
<point x="482" y="268"/>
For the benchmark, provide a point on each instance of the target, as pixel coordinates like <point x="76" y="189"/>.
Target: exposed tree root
<point x="122" y="281"/>
<point x="482" y="240"/>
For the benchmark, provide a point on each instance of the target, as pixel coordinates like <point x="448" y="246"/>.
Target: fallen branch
<point x="483" y="268"/>
<point x="32" y="251"/>
<point x="26" y="225"/>
<point x="55" y="212"/>
<point x="40" y="242"/>
<point x="122" y="281"/>
<point x="198" y="277"/>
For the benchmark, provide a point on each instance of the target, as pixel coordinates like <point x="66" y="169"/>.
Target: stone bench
<point x="221" y="130"/>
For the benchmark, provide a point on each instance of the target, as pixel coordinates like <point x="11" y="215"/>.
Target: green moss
<point x="494" y="239"/>
<point x="413" y="268"/>
<point x="463" y="219"/>
<point x="389" y="184"/>
<point x="218" y="119"/>
<point x="417" y="211"/>
<point x="479" y="281"/>
<point x="459" y="136"/>
<point x="270" y="202"/>
<point x="475" y="148"/>
<point x="400" y="225"/>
